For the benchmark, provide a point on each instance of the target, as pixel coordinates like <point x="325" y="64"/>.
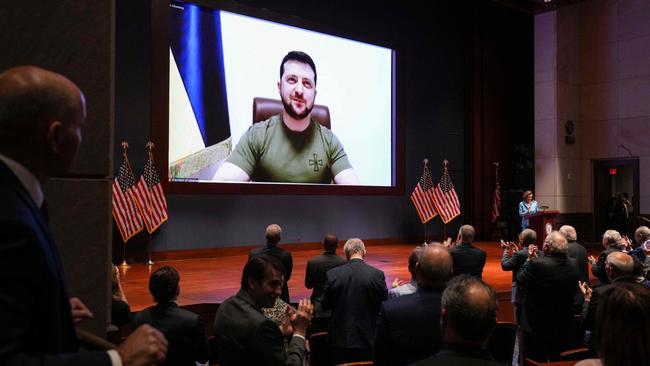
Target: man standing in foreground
<point x="41" y="114"/>
<point x="353" y="291"/>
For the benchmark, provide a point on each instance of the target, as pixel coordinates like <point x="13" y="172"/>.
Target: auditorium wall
<point x="591" y="67"/>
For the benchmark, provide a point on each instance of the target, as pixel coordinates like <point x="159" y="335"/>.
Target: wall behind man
<point x="75" y="38"/>
<point x="435" y="48"/>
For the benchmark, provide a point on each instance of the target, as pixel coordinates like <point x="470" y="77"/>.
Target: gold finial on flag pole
<point x="425" y="161"/>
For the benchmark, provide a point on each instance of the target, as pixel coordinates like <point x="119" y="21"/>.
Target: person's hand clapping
<point x="145" y="346"/>
<point x="301" y="319"/>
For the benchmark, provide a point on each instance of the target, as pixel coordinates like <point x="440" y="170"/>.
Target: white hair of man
<point x="555" y="242"/>
<point x="642" y="234"/>
<point x="354" y="246"/>
<point x="612" y="238"/>
<point x="569" y="232"/>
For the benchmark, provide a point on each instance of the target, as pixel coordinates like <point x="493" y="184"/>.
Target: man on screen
<point x="290" y="146"/>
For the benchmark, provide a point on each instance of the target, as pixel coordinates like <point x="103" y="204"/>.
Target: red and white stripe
<point x="125" y="212"/>
<point x="153" y="204"/>
<point x="423" y="201"/>
<point x="447" y="203"/>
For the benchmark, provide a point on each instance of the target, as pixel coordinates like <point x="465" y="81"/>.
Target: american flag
<point x="445" y="197"/>
<point x="422" y="197"/>
<point x="150" y="196"/>
<point x="496" y="198"/>
<point x="125" y="209"/>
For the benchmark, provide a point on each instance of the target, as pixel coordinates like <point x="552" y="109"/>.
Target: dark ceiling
<point x="536" y="6"/>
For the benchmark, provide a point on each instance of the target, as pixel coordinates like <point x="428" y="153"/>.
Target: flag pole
<point x="425" y="162"/>
<point x="444" y="224"/>
<point x="125" y="146"/>
<point x="149" y="148"/>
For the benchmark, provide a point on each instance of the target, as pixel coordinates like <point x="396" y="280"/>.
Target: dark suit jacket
<point x="284" y="256"/>
<point x="246" y="337"/>
<point x="408" y="328"/>
<point x="514" y="263"/>
<point x="460" y="356"/>
<point x="579" y="253"/>
<point x="316" y="276"/>
<point x="589" y="308"/>
<point x="353" y="291"/>
<point x="183" y="329"/>
<point x="468" y="259"/>
<point x="550" y="283"/>
<point x="35" y="318"/>
<point x="598" y="268"/>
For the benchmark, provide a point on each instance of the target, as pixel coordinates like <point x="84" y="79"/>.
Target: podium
<point x="537" y="222"/>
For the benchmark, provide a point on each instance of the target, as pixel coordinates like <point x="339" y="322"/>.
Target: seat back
<point x="264" y="108"/>
<point x="319" y="350"/>
<point x="502" y="342"/>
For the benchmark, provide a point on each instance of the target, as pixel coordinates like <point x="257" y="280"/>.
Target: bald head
<point x="434" y="266"/>
<point x="527" y="237"/>
<point x="41" y="113"/>
<point x="273" y="234"/>
<point x="618" y="264"/>
<point x="569" y="232"/>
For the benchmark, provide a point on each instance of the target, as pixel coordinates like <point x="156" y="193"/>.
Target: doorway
<point x="616" y="195"/>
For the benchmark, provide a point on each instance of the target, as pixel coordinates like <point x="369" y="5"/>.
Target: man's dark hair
<point x="330" y="243"/>
<point x="163" y="284"/>
<point x="257" y="266"/>
<point x="413" y="259"/>
<point x="300" y="57"/>
<point x="471" y="318"/>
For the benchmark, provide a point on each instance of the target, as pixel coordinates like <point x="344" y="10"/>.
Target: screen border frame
<point x="159" y="108"/>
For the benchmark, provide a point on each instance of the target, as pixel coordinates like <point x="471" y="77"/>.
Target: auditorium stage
<point x="212" y="280"/>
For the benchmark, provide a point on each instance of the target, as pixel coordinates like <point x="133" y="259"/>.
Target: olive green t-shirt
<point x="271" y="152"/>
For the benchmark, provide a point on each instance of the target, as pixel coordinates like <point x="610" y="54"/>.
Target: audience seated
<point x="548" y="322"/>
<point x="120" y="309"/>
<point x="622" y="332"/>
<point x="273" y="237"/>
<point x="316" y="276"/>
<point x="183" y="329"/>
<point x="468" y="316"/>
<point x="353" y="291"/>
<point x="408" y="327"/>
<point x="468" y="259"/>
<point x="244" y="335"/>
<point x="399" y="288"/>
<point x="514" y="262"/>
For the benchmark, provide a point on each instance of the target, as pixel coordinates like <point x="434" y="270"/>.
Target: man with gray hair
<point x="514" y="262"/>
<point x="273" y="237"/>
<point x="468" y="316"/>
<point x="641" y="235"/>
<point x="407" y="328"/>
<point x="468" y="258"/>
<point x="576" y="251"/>
<point x="612" y="242"/>
<point x="547" y="321"/>
<point x="353" y="292"/>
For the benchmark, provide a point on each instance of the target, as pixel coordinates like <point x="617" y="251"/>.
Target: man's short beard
<point x="292" y="112"/>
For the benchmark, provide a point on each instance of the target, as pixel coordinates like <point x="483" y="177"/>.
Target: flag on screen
<point x="496" y="198"/>
<point x="125" y="208"/>
<point x="422" y="197"/>
<point x="445" y="197"/>
<point x="150" y="196"/>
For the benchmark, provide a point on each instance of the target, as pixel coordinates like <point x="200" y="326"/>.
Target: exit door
<point x="616" y="195"/>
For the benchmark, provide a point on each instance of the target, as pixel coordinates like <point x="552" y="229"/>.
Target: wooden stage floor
<point x="212" y="280"/>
